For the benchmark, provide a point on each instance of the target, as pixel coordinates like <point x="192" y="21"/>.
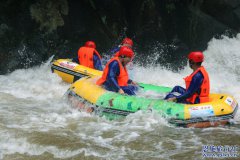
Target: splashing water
<point x="37" y="123"/>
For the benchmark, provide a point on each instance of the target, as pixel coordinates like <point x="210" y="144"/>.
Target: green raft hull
<point x="85" y="95"/>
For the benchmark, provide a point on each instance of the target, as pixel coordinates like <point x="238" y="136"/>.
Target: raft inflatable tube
<point x="87" y="96"/>
<point x="70" y="71"/>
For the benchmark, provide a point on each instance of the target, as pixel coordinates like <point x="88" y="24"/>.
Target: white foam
<point x="37" y="82"/>
<point x="31" y="100"/>
<point x="222" y="61"/>
<point x="21" y="145"/>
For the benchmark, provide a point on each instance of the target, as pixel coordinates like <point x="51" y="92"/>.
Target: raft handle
<point x="222" y="109"/>
<point x="221" y="97"/>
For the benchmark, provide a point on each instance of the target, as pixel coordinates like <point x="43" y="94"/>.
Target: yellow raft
<point x="70" y="71"/>
<point x="87" y="96"/>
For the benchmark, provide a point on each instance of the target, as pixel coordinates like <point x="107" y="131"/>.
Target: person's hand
<point x="173" y="99"/>
<point x="120" y="91"/>
<point x="134" y="83"/>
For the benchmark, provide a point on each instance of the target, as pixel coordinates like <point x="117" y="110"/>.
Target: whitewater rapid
<point x="36" y="121"/>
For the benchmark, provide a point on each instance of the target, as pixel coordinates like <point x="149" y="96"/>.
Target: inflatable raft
<point x="87" y="96"/>
<point x="70" y="71"/>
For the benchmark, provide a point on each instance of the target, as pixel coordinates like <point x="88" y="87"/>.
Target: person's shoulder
<point x="198" y="75"/>
<point x="114" y="62"/>
<point x="82" y="48"/>
<point x="116" y="49"/>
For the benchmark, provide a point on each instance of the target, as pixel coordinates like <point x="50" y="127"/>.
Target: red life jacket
<point x="85" y="56"/>
<point x="122" y="78"/>
<point x="205" y="87"/>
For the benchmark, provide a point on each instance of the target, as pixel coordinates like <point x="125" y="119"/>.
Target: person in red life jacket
<point x="115" y="76"/>
<point x="88" y="56"/>
<point x="126" y="42"/>
<point x="197" y="84"/>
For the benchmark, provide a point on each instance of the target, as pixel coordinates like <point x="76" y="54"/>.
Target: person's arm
<point x="130" y="81"/>
<point x="113" y="72"/>
<point x="193" y="88"/>
<point x="75" y="59"/>
<point x="97" y="62"/>
<point x="114" y="50"/>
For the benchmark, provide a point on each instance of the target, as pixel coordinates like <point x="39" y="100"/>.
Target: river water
<point x="36" y="122"/>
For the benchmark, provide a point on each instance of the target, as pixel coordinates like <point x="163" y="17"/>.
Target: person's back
<point x="125" y="42"/>
<point x="197" y="84"/>
<point x="88" y="56"/>
<point x="115" y="76"/>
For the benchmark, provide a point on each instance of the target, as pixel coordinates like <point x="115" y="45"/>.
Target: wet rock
<point x="32" y="31"/>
